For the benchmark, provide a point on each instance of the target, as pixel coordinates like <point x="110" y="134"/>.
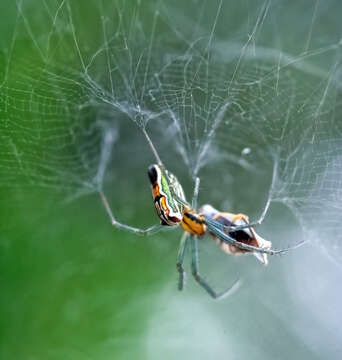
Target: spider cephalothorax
<point x="193" y="222"/>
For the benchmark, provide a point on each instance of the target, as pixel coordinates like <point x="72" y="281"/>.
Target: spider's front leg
<point x="149" y="231"/>
<point x="217" y="231"/>
<point x="235" y="228"/>
<point x="180" y="259"/>
<point x="201" y="281"/>
<point x="245" y="218"/>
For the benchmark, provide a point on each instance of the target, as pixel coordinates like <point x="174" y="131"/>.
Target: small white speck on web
<point x="246" y="151"/>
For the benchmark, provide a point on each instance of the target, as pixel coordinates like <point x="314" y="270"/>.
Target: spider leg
<point x="239" y="227"/>
<point x="180" y="258"/>
<point x="149" y="231"/>
<point x="196" y="190"/>
<point x="249" y="225"/>
<point x="213" y="228"/>
<point x="201" y="281"/>
<point x="194" y="198"/>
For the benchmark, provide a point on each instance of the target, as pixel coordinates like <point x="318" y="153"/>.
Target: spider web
<point x="256" y="98"/>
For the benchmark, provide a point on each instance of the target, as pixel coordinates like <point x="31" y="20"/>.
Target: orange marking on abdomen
<point x="164" y="205"/>
<point x="155" y="191"/>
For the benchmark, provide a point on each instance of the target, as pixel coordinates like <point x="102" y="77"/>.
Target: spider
<point x="232" y="232"/>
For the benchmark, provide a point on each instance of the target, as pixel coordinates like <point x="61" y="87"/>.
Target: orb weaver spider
<point x="232" y="232"/>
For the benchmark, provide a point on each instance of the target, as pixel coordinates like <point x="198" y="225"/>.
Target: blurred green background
<point x="73" y="287"/>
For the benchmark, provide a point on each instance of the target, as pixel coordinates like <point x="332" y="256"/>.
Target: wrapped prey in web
<point x="247" y="235"/>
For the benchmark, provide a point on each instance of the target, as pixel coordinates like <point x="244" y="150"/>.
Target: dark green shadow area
<point x="74" y="287"/>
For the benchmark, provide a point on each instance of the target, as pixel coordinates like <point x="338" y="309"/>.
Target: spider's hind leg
<point x="180" y="259"/>
<point x="149" y="231"/>
<point x="201" y="281"/>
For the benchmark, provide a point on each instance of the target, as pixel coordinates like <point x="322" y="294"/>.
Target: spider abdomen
<point x="164" y="186"/>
